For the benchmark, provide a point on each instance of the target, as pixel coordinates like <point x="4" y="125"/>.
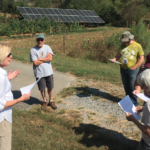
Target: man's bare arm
<point x="144" y="129"/>
<point x="46" y="59"/>
<point x="137" y="87"/>
<point x="37" y="62"/>
<point x="117" y="57"/>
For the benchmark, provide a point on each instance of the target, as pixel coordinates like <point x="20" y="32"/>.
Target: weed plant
<point x="107" y="46"/>
<point x="102" y="48"/>
<point x="142" y="35"/>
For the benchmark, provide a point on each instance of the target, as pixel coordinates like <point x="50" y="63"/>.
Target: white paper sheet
<point x="128" y="107"/>
<point x="115" y="61"/>
<point x="143" y="97"/>
<point x="27" y="89"/>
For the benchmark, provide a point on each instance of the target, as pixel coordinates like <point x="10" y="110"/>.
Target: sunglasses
<point x="40" y="40"/>
<point x="9" y="55"/>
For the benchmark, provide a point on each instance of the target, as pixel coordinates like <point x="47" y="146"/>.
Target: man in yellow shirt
<point x="131" y="56"/>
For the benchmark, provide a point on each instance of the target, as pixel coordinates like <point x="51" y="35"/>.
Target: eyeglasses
<point x="9" y="55"/>
<point x="40" y="40"/>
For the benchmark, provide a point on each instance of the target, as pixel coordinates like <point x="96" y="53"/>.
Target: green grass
<point x="79" y="67"/>
<point x="87" y="68"/>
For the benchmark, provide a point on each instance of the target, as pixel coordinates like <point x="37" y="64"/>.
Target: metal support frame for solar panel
<point x="61" y="15"/>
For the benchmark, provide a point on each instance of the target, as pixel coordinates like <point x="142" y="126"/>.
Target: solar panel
<point x="81" y="13"/>
<point x="62" y="12"/>
<point x="26" y="17"/>
<point x="34" y="10"/>
<point x="77" y="12"/>
<point x="45" y="11"/>
<point x="56" y="11"/>
<point x="56" y="18"/>
<point x="33" y="17"/>
<point x="39" y="16"/>
<point x="40" y="11"/>
<point x="51" y="11"/>
<point x="68" y="19"/>
<point x="21" y="10"/>
<point x="67" y="12"/>
<point x="45" y="17"/>
<point x="61" y="15"/>
<point x="86" y="13"/>
<point x="50" y="17"/>
<point x="93" y="13"/>
<point x="28" y="10"/>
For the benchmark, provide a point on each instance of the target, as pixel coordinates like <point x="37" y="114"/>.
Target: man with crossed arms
<point x="41" y="56"/>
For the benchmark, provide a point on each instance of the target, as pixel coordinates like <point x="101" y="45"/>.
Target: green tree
<point x="78" y="4"/>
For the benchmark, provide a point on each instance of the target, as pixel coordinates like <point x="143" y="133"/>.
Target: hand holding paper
<point x="142" y="96"/>
<point x="27" y="89"/>
<point x="114" y="61"/>
<point x="128" y="107"/>
<point x="24" y="97"/>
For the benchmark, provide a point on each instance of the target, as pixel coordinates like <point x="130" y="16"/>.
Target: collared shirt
<point x="5" y="95"/>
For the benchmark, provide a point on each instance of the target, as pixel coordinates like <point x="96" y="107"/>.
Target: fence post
<point x="64" y="37"/>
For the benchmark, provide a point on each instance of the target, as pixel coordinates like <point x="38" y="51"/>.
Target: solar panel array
<point x="61" y="15"/>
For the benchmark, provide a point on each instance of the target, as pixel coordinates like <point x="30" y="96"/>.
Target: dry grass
<point x="46" y="129"/>
<point x="56" y="41"/>
<point x="7" y="15"/>
<point x="111" y="119"/>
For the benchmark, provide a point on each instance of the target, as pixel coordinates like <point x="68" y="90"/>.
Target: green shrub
<point x="107" y="46"/>
<point x="142" y="35"/>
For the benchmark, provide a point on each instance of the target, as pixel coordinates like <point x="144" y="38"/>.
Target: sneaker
<point x="44" y="105"/>
<point x="53" y="106"/>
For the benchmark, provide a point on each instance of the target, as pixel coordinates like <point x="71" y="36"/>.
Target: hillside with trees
<point x="114" y="12"/>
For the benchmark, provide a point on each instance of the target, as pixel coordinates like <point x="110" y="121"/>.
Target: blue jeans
<point x="143" y="145"/>
<point x="128" y="79"/>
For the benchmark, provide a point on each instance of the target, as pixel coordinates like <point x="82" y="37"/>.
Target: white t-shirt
<point x="146" y="120"/>
<point x="44" y="69"/>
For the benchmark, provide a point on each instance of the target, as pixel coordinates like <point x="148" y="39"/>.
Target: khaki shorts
<point x="5" y="135"/>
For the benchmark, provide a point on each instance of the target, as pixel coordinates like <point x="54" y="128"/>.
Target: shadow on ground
<point x="32" y="100"/>
<point x="85" y="91"/>
<point x="101" y="137"/>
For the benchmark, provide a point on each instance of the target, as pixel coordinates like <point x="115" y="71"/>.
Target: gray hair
<point x="144" y="79"/>
<point x="4" y="51"/>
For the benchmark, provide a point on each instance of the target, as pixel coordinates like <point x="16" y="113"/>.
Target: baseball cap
<point x="40" y="36"/>
<point x="147" y="63"/>
<point x="126" y="36"/>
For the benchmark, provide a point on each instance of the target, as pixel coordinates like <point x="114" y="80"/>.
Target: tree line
<point x="113" y="12"/>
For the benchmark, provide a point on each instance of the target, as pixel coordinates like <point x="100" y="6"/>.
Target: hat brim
<point x="131" y="37"/>
<point x="124" y="40"/>
<point x="39" y="38"/>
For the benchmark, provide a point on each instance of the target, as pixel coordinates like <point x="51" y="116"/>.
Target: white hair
<point x="144" y="79"/>
<point x="4" y="51"/>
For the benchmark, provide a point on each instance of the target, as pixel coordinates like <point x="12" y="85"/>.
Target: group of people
<point x="131" y="56"/>
<point x="41" y="56"/>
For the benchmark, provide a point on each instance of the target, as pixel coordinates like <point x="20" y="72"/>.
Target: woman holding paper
<point x="143" y="80"/>
<point x="131" y="56"/>
<point x="6" y="98"/>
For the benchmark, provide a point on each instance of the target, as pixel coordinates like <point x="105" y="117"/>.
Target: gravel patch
<point x="102" y="112"/>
